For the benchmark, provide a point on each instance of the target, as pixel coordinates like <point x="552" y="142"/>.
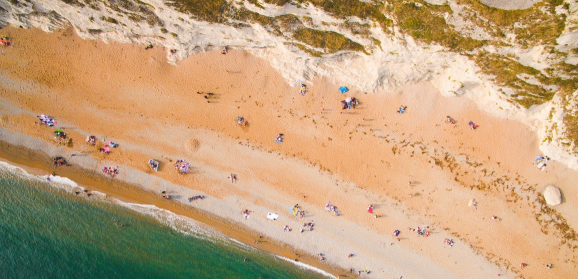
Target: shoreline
<point x="38" y="163"/>
<point x="351" y="158"/>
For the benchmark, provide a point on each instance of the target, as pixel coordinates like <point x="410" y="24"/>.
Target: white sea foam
<point x="61" y="181"/>
<point x="308" y="267"/>
<point x="13" y="169"/>
<point x="55" y="181"/>
<point x="299" y="264"/>
<point x="179" y="223"/>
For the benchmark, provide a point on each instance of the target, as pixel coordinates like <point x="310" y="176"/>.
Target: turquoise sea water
<point x="49" y="233"/>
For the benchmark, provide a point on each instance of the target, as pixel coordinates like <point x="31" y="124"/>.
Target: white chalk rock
<point x="552" y="195"/>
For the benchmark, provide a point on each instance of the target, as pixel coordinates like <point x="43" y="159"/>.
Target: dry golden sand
<point x="352" y="158"/>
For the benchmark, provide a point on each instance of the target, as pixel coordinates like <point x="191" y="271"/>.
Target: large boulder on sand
<point x="552" y="195"/>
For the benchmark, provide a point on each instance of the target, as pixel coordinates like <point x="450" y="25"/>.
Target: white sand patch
<point x="460" y="20"/>
<point x="568" y="41"/>
<point x="533" y="57"/>
<point x="437" y="2"/>
<point x="510" y="4"/>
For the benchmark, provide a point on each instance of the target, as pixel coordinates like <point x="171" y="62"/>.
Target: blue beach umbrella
<point x="343" y="89"/>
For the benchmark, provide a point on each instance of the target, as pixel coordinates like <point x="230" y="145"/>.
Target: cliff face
<point x="514" y="63"/>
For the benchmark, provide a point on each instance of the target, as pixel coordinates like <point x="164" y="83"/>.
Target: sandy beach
<point x="416" y="169"/>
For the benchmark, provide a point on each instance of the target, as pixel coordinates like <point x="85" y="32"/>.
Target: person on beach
<point x="370" y="209"/>
<point x="473" y="203"/>
<point x="233" y="177"/>
<point x="278" y="139"/>
<point x="303" y="90"/>
<point x="349" y="102"/>
<point x="241" y="121"/>
<point x="246" y="213"/>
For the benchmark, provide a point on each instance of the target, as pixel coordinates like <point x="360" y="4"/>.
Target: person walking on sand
<point x="233" y="177"/>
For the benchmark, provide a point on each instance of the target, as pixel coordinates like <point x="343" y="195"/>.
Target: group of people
<point x="46" y="120"/>
<point x="105" y="149"/>
<point x="111" y="170"/>
<point x="198" y="197"/>
<point x="246" y="213"/>
<point x="59" y="161"/>
<point x="309" y="226"/>
<point x="297" y="211"/>
<point x="182" y="166"/>
<point x="4" y="40"/>
<point x="449" y="242"/>
<point x="424" y="231"/>
<point x="331" y="208"/>
<point x="541" y="162"/>
<point x="154" y="164"/>
<point x="91" y="140"/>
<point x="59" y="134"/>
<point x="349" y="103"/>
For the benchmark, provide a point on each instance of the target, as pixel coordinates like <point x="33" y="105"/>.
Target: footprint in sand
<point x="192" y="145"/>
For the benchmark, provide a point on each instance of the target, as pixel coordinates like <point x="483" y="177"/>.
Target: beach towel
<point x="538" y="158"/>
<point x="154" y="164"/>
<point x="343" y="89"/>
<point x="272" y="216"/>
<point x="294" y="210"/>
